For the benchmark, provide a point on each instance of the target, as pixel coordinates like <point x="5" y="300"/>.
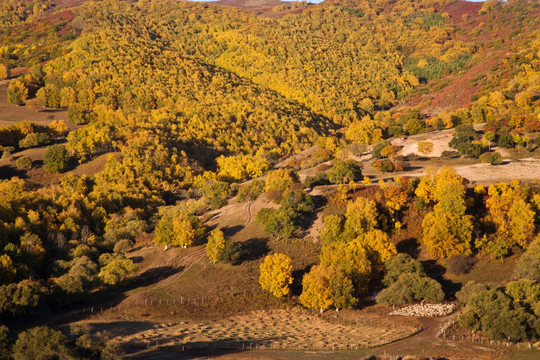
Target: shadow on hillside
<point x="196" y="349"/>
<point x="298" y="275"/>
<point x="254" y="249"/>
<point x="308" y="219"/>
<point x="437" y="271"/>
<point x="7" y="172"/>
<point x="152" y="276"/>
<point x="59" y="312"/>
<point x="231" y="230"/>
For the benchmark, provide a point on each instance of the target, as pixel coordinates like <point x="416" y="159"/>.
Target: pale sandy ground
<point x="439" y="139"/>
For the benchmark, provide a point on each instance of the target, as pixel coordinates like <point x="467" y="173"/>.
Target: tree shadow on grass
<point x="195" y="349"/>
<point x="231" y="230"/>
<point x="7" y="172"/>
<point x="65" y="309"/>
<point x="254" y="249"/>
<point x="152" y="276"/>
<point x="437" y="271"/>
<point x="298" y="275"/>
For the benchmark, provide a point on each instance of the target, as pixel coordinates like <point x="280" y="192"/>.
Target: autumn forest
<point x="359" y="168"/>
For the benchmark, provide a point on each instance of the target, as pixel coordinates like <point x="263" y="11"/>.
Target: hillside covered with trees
<point x="194" y="108"/>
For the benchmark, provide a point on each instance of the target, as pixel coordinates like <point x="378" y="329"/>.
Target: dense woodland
<point x="192" y="100"/>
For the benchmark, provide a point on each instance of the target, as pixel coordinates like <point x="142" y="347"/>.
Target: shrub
<point x="33" y="140"/>
<point x="378" y="147"/>
<point x="472" y="288"/>
<point x="231" y="252"/>
<point x="410" y="288"/>
<point x="250" y="191"/>
<point x="401" y="264"/>
<point x="459" y="264"/>
<point x="123" y="246"/>
<point x="449" y="154"/>
<point x="386" y="165"/>
<point x="24" y="163"/>
<point x="345" y="171"/>
<point x="528" y="265"/>
<point x="41" y="343"/>
<point x="56" y="158"/>
<point x="491" y="158"/>
<point x="317" y="180"/>
<point x="297" y="200"/>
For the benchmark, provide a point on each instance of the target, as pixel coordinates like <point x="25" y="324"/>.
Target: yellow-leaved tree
<point x="215" y="245"/>
<point x="351" y="259"/>
<point x="276" y="274"/>
<point x="379" y="246"/>
<point x="447" y="230"/>
<point x="178" y="229"/>
<point x="447" y="234"/>
<point x="361" y="215"/>
<point x="316" y="289"/>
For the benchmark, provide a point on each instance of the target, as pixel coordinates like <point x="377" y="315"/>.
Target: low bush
<point x="491" y="158"/>
<point x="24" y="163"/>
<point x="386" y="165"/>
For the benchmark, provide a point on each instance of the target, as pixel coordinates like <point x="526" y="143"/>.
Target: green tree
<point x="345" y="172"/>
<point x="528" y="264"/>
<point x="216" y="194"/>
<point x="41" y="343"/>
<point x="117" y="270"/>
<point x="80" y="276"/>
<point x="409" y="288"/>
<point x="56" y="158"/>
<point x="250" y="191"/>
<point x="280" y="223"/>
<point x="342" y="290"/>
<point x="401" y="264"/>
<point x="297" y="200"/>
<point x="276" y="274"/>
<point x="231" y="252"/>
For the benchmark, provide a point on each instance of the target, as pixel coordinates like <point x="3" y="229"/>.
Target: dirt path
<point x="248" y="212"/>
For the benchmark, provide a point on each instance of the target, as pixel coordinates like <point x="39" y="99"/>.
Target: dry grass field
<point x="278" y="329"/>
<point x="10" y="113"/>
